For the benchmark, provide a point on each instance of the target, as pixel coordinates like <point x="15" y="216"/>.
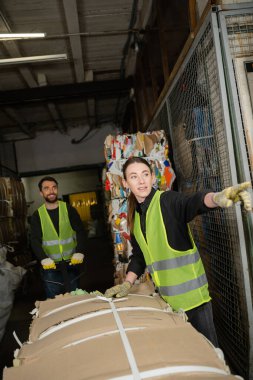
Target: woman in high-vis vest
<point x="162" y="242"/>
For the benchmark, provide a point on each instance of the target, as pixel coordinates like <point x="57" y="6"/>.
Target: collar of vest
<point x="141" y="208"/>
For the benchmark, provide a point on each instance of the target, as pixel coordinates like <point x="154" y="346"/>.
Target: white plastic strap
<point x="76" y="342"/>
<point x="53" y="311"/>
<point x="158" y="372"/>
<point x="62" y="325"/>
<point x="16" y="338"/>
<point x="60" y="308"/>
<point x="53" y="329"/>
<point x="126" y="344"/>
<point x="16" y="352"/>
<point x="34" y="312"/>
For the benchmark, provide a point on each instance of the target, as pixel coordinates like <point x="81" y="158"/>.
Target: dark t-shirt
<point x="36" y="231"/>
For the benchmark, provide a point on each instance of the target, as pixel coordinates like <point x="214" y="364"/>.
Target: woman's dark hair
<point x="47" y="178"/>
<point x="132" y="202"/>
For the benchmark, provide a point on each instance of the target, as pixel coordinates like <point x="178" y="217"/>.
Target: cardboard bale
<point x="86" y="337"/>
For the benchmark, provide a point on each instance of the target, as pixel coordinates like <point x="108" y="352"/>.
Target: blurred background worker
<point x="57" y="240"/>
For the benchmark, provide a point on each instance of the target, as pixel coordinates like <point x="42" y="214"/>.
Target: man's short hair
<point x="47" y="178"/>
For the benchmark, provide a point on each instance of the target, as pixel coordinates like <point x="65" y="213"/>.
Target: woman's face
<point x="139" y="180"/>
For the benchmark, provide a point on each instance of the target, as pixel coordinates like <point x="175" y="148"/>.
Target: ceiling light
<point x="18" y="36"/>
<point x="36" y="58"/>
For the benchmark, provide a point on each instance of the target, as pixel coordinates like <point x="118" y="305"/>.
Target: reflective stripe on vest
<point x="62" y="246"/>
<point x="185" y="287"/>
<point x="54" y="242"/>
<point x="179" y="275"/>
<point x="174" y="262"/>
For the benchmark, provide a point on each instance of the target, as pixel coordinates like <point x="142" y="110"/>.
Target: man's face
<point x="49" y="191"/>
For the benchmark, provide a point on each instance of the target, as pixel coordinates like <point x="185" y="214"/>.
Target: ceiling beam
<point x="13" y="50"/>
<point x="26" y="128"/>
<point x="52" y="108"/>
<point x="71" y="15"/>
<point x="86" y="90"/>
<point x="144" y="10"/>
<point x="72" y="20"/>
<point x="26" y="73"/>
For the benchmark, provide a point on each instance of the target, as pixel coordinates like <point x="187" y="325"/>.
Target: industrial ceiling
<point x="91" y="86"/>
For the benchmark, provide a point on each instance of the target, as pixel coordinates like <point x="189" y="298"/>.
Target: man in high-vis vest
<point x="57" y="240"/>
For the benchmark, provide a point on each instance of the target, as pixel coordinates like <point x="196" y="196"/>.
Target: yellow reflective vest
<point x="179" y="275"/>
<point x="62" y="246"/>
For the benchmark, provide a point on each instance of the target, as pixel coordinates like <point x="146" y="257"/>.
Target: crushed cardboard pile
<point x="86" y="337"/>
<point x="153" y="146"/>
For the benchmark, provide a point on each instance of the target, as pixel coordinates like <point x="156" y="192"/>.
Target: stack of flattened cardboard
<point x="153" y="146"/>
<point x="86" y="337"/>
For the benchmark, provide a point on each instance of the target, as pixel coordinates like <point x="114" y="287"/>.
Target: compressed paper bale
<point x="106" y="358"/>
<point x="93" y="349"/>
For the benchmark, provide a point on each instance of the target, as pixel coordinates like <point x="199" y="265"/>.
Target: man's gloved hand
<point x="77" y="258"/>
<point x="48" y="263"/>
<point x="118" y="291"/>
<point x="233" y="194"/>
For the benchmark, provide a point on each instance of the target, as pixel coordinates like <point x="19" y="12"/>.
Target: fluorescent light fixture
<point x="19" y="36"/>
<point x="36" y="58"/>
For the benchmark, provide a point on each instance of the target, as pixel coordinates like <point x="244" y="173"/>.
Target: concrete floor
<point x="97" y="274"/>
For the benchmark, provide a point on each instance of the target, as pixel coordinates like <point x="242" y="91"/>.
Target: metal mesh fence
<point x="201" y="158"/>
<point x="239" y="30"/>
<point x="240" y="41"/>
<point x="240" y="34"/>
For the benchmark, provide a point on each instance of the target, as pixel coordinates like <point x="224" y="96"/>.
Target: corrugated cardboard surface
<point x="77" y="337"/>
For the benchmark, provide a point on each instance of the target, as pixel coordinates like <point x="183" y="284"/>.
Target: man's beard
<point x="51" y="200"/>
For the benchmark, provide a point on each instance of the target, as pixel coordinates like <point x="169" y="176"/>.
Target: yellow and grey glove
<point x="48" y="263"/>
<point x="118" y="291"/>
<point x="233" y="194"/>
<point x="97" y="293"/>
<point x="77" y="258"/>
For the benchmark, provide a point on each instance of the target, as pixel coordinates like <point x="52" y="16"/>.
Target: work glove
<point x="77" y="258"/>
<point x="118" y="291"/>
<point x="97" y="293"/>
<point x="48" y="263"/>
<point x="233" y="194"/>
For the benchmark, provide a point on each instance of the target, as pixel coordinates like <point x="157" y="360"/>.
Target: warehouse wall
<point x="52" y="150"/>
<point x="69" y="183"/>
<point x="7" y="160"/>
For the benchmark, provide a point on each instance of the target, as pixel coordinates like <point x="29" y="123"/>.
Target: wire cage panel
<point x="237" y="41"/>
<point x="202" y="152"/>
<point x="237" y="31"/>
